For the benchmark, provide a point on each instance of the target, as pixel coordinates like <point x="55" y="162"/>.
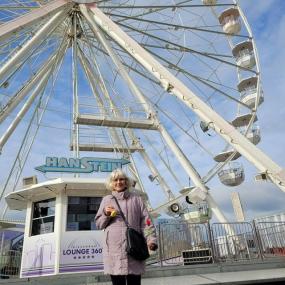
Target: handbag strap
<point x="121" y="212"/>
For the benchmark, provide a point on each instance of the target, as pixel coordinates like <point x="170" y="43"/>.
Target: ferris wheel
<point x="172" y="85"/>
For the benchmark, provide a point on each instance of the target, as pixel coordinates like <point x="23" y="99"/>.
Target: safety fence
<point x="10" y="262"/>
<point x="271" y="237"/>
<point x="182" y="243"/>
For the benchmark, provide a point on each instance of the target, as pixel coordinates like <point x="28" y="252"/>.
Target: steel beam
<point x="39" y="36"/>
<point x="31" y="18"/>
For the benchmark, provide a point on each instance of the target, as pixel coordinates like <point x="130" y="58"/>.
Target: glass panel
<point x="43" y="217"/>
<point x="43" y="226"/>
<point x="81" y="212"/>
<point x="44" y="208"/>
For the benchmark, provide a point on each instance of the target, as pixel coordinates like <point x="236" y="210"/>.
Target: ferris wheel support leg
<point x="31" y="18"/>
<point x="219" y="215"/>
<point x="18" y="97"/>
<point x="39" y="36"/>
<point x="41" y="85"/>
<point x="195" y="177"/>
<point x="134" y="89"/>
<point x="24" y="110"/>
<point x="259" y="159"/>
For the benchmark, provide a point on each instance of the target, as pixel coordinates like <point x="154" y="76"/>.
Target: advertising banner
<point x="38" y="258"/>
<point x="81" y="251"/>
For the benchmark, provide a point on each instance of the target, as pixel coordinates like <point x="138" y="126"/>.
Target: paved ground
<point x="256" y="273"/>
<point x="270" y="276"/>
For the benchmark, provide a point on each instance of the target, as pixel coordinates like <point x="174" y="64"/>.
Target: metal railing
<point x="10" y="263"/>
<point x="272" y="238"/>
<point x="184" y="243"/>
<point x="243" y="245"/>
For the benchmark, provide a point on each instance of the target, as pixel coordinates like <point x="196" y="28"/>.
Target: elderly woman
<point x="123" y="268"/>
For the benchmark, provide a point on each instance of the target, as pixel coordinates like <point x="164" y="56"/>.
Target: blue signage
<point x="81" y="165"/>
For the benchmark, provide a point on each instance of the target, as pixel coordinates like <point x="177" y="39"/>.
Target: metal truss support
<point x="32" y="18"/>
<point x="39" y="36"/>
<point x="38" y="89"/>
<point x="28" y="86"/>
<point x="29" y="137"/>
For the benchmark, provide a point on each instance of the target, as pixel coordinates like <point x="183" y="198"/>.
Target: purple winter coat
<point x="116" y="261"/>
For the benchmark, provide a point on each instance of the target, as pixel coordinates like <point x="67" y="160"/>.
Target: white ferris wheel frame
<point x="99" y="22"/>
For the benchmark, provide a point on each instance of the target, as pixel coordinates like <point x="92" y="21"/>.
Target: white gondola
<point x="254" y="135"/>
<point x="232" y="174"/>
<point x="230" y="21"/>
<point x="209" y="2"/>
<point x="244" y="54"/>
<point x="248" y="92"/>
<point x="224" y="155"/>
<point x="243" y="120"/>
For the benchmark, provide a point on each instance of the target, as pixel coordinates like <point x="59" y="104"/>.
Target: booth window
<point x="43" y="217"/>
<point x="81" y="212"/>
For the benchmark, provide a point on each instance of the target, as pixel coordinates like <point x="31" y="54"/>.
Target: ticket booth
<point x="60" y="233"/>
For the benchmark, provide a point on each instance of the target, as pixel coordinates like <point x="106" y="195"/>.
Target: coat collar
<point x="121" y="195"/>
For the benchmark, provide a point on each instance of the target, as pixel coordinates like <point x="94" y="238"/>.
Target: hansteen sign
<point x="81" y="165"/>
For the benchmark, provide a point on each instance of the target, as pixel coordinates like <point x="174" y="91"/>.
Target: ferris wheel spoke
<point x="16" y="25"/>
<point x="27" y="142"/>
<point x="16" y="8"/>
<point x="206" y="82"/>
<point x="184" y="48"/>
<point x="39" y="37"/>
<point x="195" y="140"/>
<point x="170" y="25"/>
<point x="152" y="10"/>
<point x="164" y="6"/>
<point x="41" y="83"/>
<point x="25" y="89"/>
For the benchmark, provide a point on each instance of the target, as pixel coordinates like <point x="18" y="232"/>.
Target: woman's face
<point x="119" y="184"/>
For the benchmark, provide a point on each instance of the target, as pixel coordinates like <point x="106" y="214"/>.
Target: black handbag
<point x="136" y="243"/>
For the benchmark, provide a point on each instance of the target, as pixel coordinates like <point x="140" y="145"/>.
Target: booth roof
<point x="18" y="200"/>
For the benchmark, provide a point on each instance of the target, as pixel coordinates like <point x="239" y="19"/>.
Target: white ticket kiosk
<point x="60" y="233"/>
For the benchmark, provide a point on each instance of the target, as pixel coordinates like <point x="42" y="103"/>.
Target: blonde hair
<point x="117" y="173"/>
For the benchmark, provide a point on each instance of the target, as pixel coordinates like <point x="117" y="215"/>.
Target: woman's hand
<point x="152" y="246"/>
<point x="108" y="210"/>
